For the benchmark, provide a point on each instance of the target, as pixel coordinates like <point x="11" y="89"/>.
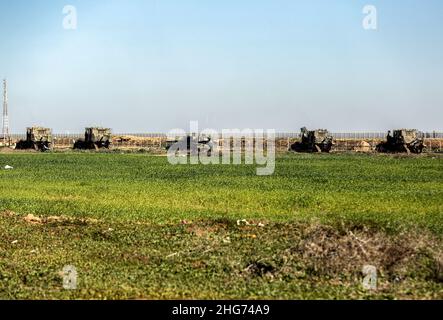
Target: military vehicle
<point x="185" y="144"/>
<point x="404" y="140"/>
<point x="95" y="138"/>
<point x="313" y="141"/>
<point x="37" y="138"/>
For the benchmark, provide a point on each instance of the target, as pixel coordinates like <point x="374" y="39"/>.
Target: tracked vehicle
<point x="95" y="138"/>
<point x="313" y="141"/>
<point x="404" y="140"/>
<point x="37" y="138"/>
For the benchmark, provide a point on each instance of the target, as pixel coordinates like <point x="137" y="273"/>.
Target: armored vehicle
<point x="37" y="138"/>
<point x="404" y="140"/>
<point x="95" y="138"/>
<point x="313" y="141"/>
<point x="185" y="144"/>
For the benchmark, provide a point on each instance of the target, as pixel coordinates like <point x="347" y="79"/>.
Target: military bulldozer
<point x="95" y="138"/>
<point x="404" y="140"/>
<point x="313" y="141"/>
<point x="37" y="138"/>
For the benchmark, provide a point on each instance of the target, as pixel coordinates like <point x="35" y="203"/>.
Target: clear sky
<point x="149" y="66"/>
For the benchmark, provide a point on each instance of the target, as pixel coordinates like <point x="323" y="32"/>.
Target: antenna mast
<point x="6" y="137"/>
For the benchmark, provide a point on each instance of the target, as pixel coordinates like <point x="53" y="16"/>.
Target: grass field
<point x="136" y="227"/>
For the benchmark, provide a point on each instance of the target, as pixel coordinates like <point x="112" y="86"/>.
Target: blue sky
<point x="145" y="65"/>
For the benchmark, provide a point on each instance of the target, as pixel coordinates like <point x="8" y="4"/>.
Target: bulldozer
<point x="314" y="141"/>
<point x="37" y="138"/>
<point x="403" y="140"/>
<point x="95" y="138"/>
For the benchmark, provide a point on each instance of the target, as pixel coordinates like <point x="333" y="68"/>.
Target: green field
<point x="136" y="227"/>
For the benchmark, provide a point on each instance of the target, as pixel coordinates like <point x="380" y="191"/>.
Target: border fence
<point x="344" y="141"/>
<point x="279" y="135"/>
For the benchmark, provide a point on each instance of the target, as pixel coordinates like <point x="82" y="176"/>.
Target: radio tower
<point x="6" y="137"/>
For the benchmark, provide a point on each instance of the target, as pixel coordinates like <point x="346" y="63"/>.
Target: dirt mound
<point x="363" y="146"/>
<point x="6" y="150"/>
<point x="30" y="218"/>
<point x="35" y="220"/>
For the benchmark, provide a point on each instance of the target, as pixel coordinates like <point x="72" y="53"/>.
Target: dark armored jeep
<point x="192" y="145"/>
